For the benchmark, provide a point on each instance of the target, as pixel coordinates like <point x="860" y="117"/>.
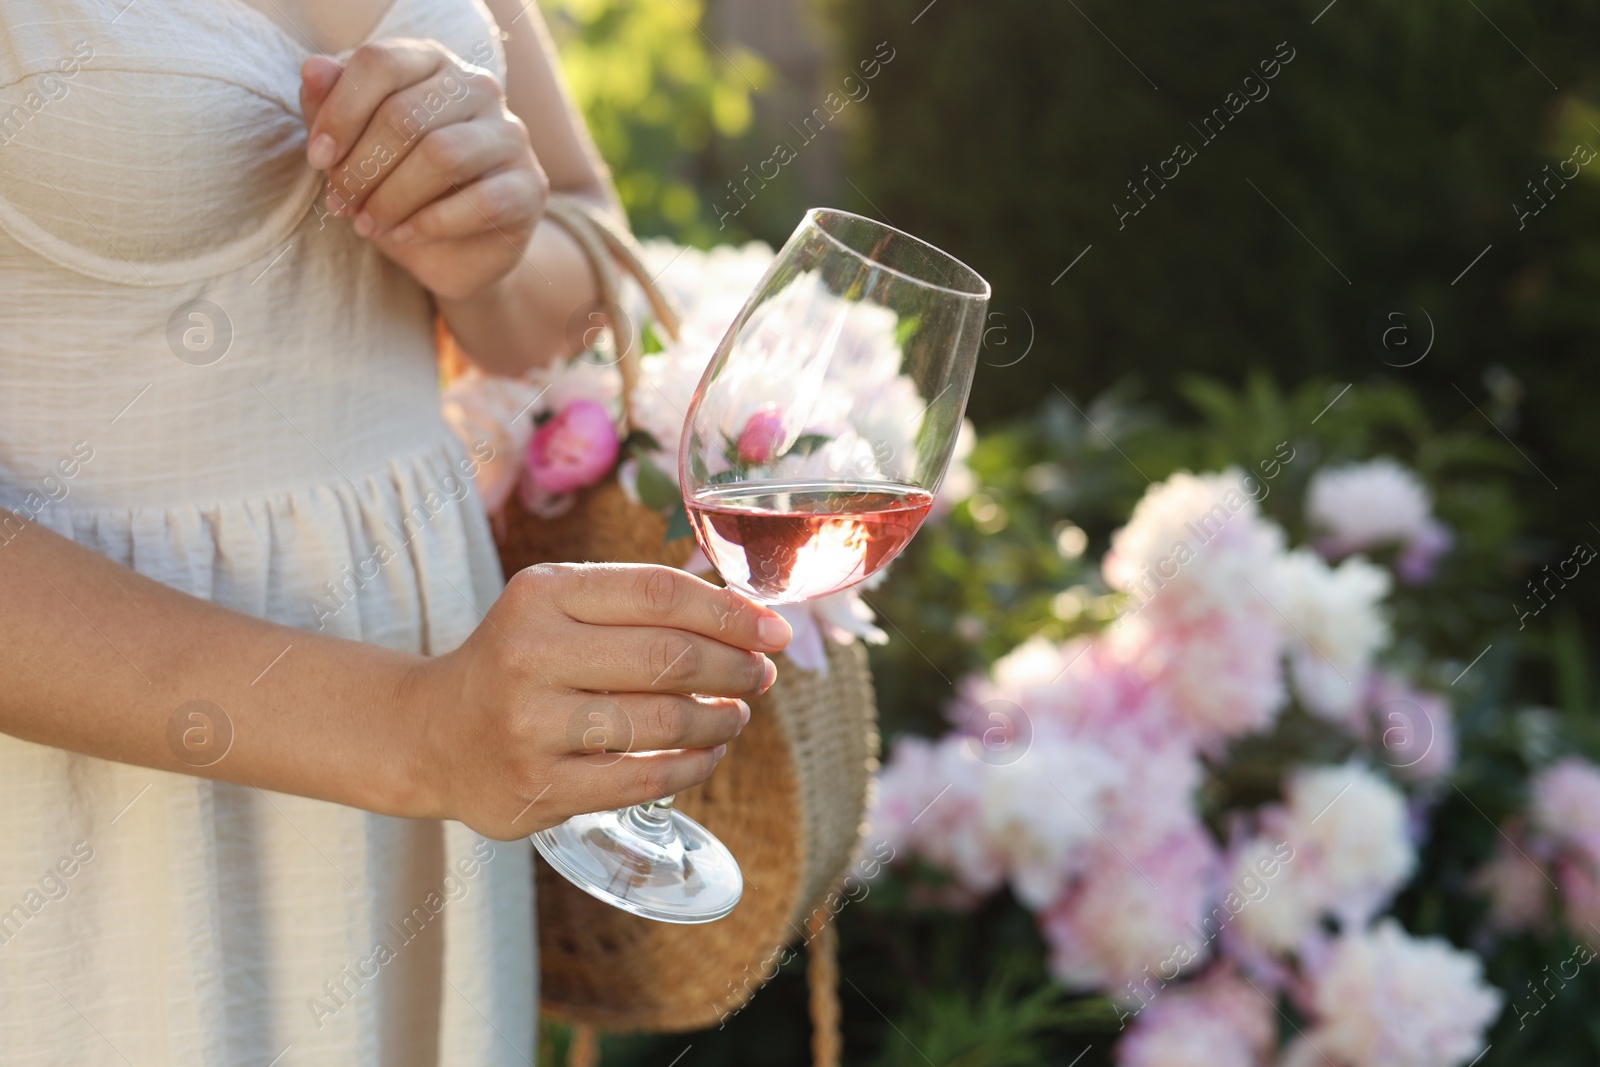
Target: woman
<point x="273" y="736"/>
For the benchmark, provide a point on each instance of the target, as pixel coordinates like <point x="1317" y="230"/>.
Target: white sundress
<point x="245" y="396"/>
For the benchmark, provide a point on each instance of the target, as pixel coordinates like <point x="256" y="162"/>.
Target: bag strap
<point x="822" y="985"/>
<point x="608" y="245"/>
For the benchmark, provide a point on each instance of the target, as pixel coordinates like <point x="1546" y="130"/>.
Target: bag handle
<point x="607" y="244"/>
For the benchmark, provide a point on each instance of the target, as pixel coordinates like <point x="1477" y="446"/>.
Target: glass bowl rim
<point x="814" y="217"/>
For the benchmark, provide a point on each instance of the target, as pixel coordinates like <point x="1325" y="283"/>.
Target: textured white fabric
<point x="281" y="454"/>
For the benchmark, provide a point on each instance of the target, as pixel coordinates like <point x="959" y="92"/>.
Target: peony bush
<point x="1072" y="775"/>
<point x="1221" y="730"/>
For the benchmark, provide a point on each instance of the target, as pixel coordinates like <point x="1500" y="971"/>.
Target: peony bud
<point x="573" y="449"/>
<point x="762" y="434"/>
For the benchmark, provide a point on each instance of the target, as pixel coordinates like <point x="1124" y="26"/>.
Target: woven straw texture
<point x="787" y="800"/>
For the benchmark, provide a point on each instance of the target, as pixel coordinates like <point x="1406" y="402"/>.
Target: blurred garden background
<point x="1380" y="242"/>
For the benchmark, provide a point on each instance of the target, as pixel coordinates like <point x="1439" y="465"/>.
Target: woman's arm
<point x="100" y="660"/>
<point x="448" y="173"/>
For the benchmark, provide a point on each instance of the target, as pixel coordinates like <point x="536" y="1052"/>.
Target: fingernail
<point x="320" y="152"/>
<point x="770" y="676"/>
<point x="403" y="233"/>
<point x="364" y="224"/>
<point x="773" y="631"/>
<point x="744" y="713"/>
<point x="719" y="751"/>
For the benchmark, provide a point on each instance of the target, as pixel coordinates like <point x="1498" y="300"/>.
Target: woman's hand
<point x="572" y="695"/>
<point x="421" y="151"/>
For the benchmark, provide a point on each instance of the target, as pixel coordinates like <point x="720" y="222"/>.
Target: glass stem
<point x="652" y="820"/>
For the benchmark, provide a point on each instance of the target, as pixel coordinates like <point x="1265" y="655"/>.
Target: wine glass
<point x="811" y="454"/>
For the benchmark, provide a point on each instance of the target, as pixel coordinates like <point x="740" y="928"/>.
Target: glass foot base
<point x="668" y="868"/>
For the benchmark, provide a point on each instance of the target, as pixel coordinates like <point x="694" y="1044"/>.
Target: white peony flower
<point x="1352" y="823"/>
<point x="1335" y="625"/>
<point x="578" y="378"/>
<point x="1216" y="1021"/>
<point x="841" y="617"/>
<point x="1043" y="810"/>
<point x="943" y="818"/>
<point x="1386" y="999"/>
<point x="1193" y="549"/>
<point x="1363" y="505"/>
<point x="1289" y="906"/>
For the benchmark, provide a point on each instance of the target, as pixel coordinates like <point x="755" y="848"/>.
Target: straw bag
<point x="787" y="799"/>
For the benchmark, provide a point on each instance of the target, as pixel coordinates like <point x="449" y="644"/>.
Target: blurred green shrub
<point x="655" y="92"/>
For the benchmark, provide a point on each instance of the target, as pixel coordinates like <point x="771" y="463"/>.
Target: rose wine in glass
<point x="786" y="542"/>
<point x="811" y="454"/>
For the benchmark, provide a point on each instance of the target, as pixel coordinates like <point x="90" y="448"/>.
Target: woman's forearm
<point x="100" y="660"/>
<point x="535" y="314"/>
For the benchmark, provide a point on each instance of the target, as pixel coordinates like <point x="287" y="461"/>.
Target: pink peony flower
<point x="1383" y="998"/>
<point x="1579" y="880"/>
<point x="1222" y="676"/>
<point x="1566" y="804"/>
<point x="1518" y="886"/>
<point x="762" y="434"/>
<point x="1127" y="925"/>
<point x="929" y="802"/>
<point x="573" y="449"/>
<point x="1412" y="731"/>
<point x="1046" y="709"/>
<point x="1423" y="551"/>
<point x="1218" y="1021"/>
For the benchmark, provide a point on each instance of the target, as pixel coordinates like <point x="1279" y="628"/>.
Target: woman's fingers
<point x="623" y="594"/>
<point x="387" y="100"/>
<point x="651" y="659"/>
<point x="318" y="76"/>
<point x="442" y="162"/>
<point x="508" y="201"/>
<point x="374" y="73"/>
<point x="649" y="722"/>
<point x="605" y="781"/>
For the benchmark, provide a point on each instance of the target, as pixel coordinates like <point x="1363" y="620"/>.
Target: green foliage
<point x="1005" y="1025"/>
<point x="655" y="92"/>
